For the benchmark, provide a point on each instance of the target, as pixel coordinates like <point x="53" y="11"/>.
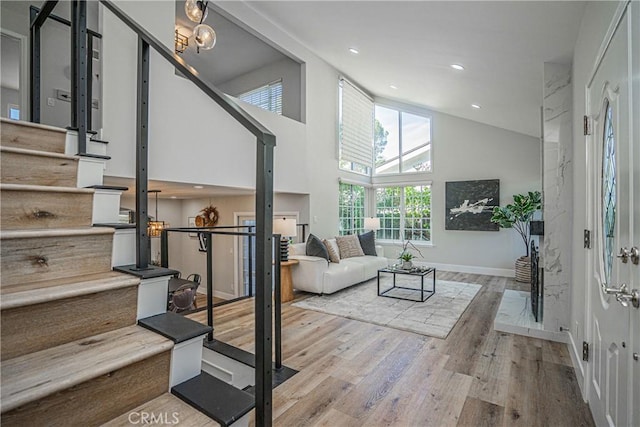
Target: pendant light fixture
<point x="203" y="35"/>
<point x="155" y="227"/>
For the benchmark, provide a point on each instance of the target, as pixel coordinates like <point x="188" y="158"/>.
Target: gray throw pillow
<point x="368" y="243"/>
<point x="315" y="247"/>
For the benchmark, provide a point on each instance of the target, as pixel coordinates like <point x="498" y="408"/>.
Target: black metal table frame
<point x="409" y="273"/>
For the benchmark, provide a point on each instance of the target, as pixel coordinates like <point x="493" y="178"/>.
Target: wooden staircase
<point x="72" y="353"/>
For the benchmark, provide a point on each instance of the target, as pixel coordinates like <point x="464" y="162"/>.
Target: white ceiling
<point x="502" y="46"/>
<point x="178" y="190"/>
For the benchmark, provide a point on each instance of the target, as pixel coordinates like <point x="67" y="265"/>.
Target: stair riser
<point x="18" y="168"/>
<point x="99" y="400"/>
<point x="36" y="259"/>
<point x="66" y="320"/>
<point x="15" y="135"/>
<point x="45" y="209"/>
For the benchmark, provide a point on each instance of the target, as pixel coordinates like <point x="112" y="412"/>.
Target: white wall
<point x="595" y="23"/>
<point x="191" y="139"/>
<point x="183" y="249"/>
<point x="286" y="70"/>
<point x="466" y="150"/>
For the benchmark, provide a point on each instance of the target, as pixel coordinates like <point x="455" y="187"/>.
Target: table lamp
<point x="372" y="224"/>
<point x="286" y="228"/>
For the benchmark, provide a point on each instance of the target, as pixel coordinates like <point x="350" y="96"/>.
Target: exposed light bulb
<point x="204" y="36"/>
<point x="194" y="10"/>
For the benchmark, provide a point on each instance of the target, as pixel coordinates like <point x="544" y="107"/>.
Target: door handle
<point x="626" y="254"/>
<point x="622" y="296"/>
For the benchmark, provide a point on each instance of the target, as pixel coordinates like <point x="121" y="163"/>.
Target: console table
<point x="286" y="283"/>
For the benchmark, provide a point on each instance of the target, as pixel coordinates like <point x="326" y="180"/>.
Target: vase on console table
<point x="407" y="265"/>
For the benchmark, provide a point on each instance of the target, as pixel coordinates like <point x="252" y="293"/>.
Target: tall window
<point x="355" y="111"/>
<point x="351" y="209"/>
<point x="404" y="212"/>
<point x="402" y="142"/>
<point x="268" y="97"/>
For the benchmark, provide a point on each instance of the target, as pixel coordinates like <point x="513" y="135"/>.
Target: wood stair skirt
<point x="71" y="351"/>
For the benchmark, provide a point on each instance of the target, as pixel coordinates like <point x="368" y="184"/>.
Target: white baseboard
<point x="489" y="271"/>
<point x="578" y="367"/>
<point x="531" y="332"/>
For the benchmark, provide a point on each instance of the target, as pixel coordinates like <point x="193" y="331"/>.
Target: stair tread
<point x="36" y="375"/>
<point x="54" y="232"/>
<point x="214" y="397"/>
<point x="165" y="405"/>
<point x="33" y="125"/>
<point x="20" y="295"/>
<point x="175" y="327"/>
<point x="38" y="153"/>
<point x="47" y="188"/>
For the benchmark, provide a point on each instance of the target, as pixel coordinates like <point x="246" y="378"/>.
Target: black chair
<point x="184" y="298"/>
<point x="194" y="277"/>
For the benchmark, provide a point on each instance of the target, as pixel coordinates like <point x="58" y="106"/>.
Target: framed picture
<point x="192" y="223"/>
<point x="469" y="204"/>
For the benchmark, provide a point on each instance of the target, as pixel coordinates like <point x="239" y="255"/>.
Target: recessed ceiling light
<point x="354" y="50"/>
<point x="173" y="197"/>
<point x="457" y="67"/>
<point x="393" y="86"/>
<point x="199" y="187"/>
<point x="476" y="106"/>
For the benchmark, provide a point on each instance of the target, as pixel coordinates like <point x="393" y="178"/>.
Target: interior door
<point x="613" y="272"/>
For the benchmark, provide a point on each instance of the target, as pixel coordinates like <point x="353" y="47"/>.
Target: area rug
<point x="435" y="317"/>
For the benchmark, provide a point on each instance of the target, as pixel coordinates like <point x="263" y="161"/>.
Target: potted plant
<point x="517" y="216"/>
<point x="406" y="256"/>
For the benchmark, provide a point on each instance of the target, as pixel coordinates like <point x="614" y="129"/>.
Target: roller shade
<point x="356" y="143"/>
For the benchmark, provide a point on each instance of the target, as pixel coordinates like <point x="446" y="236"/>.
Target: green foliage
<point x="380" y="139"/>
<point x="518" y="214"/>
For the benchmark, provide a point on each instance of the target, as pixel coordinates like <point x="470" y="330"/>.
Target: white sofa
<point x="317" y="275"/>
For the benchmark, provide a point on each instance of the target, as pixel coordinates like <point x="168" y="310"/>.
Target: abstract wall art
<point x="469" y="204"/>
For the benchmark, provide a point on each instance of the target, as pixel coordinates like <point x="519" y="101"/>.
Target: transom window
<point x="351" y="209"/>
<point x="402" y="142"/>
<point x="268" y="97"/>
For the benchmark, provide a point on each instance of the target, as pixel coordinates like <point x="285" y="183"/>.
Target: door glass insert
<point x="608" y="192"/>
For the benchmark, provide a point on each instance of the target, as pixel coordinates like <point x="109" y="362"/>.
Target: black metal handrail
<point x="266" y="142"/>
<point x="223" y="231"/>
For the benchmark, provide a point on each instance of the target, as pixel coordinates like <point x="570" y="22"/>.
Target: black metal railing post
<point x="79" y="72"/>
<point x="164" y="249"/>
<point x="251" y="268"/>
<point x="210" y="284"/>
<point x="89" y="84"/>
<point x="277" y="299"/>
<point x="264" y="257"/>
<point x="34" y="69"/>
<point x="142" y="153"/>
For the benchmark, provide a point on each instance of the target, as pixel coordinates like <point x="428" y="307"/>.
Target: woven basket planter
<point x="523" y="269"/>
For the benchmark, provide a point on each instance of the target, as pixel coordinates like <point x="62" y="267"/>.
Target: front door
<point x="614" y="154"/>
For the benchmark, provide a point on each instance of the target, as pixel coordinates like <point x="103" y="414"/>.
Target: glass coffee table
<point x="405" y="292"/>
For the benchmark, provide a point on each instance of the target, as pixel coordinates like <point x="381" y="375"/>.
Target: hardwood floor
<point x="358" y="374"/>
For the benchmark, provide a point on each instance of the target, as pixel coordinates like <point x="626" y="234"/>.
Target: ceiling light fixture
<point x="476" y="106"/>
<point x="457" y="67"/>
<point x="199" y="187"/>
<point x="354" y="50"/>
<point x="203" y="35"/>
<point x="155" y="227"/>
<point x="393" y="86"/>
